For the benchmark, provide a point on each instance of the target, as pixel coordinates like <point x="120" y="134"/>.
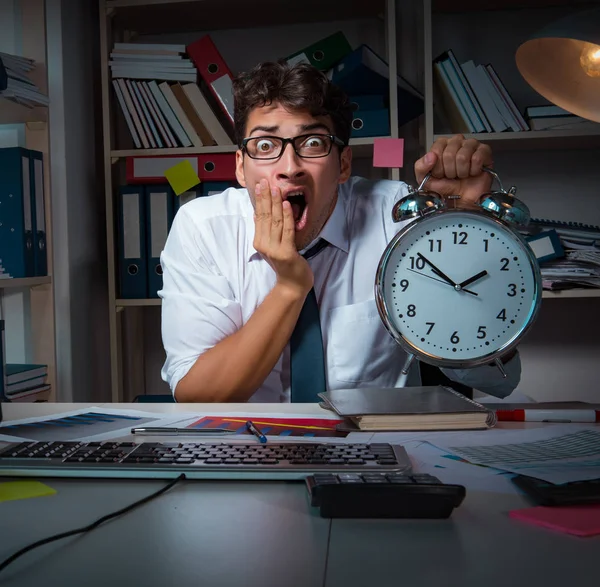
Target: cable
<point x="92" y="526"/>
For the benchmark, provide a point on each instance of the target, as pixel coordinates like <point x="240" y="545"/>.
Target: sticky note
<point x="182" y="177"/>
<point x="388" y="152"/>
<point x="12" y="490"/>
<point x="581" y="520"/>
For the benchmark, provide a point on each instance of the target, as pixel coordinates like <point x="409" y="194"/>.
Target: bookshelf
<point x="408" y="39"/>
<point x="28" y="304"/>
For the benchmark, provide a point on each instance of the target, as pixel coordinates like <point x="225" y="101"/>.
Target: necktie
<point x="307" y="365"/>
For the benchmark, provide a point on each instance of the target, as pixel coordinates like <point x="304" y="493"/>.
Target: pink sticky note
<point x="581" y="520"/>
<point x="388" y="153"/>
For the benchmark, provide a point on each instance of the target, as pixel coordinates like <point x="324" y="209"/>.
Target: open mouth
<point x="299" y="209"/>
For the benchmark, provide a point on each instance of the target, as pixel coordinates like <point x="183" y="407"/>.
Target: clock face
<point x="457" y="288"/>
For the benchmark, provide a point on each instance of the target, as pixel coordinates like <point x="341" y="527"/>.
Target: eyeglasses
<point x="305" y="146"/>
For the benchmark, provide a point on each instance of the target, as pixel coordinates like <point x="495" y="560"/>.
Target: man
<point x="235" y="281"/>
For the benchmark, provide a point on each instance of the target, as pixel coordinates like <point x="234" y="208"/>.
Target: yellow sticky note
<point x="182" y="177"/>
<point x="11" y="490"/>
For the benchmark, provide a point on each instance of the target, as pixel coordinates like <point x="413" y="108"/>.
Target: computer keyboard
<point x="382" y="495"/>
<point x="198" y="460"/>
<point x="550" y="494"/>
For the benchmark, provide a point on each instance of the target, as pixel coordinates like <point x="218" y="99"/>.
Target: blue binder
<point x="363" y="72"/>
<point x="39" y="212"/>
<point x="184" y="198"/>
<point x="367" y="102"/>
<point x="212" y="188"/>
<point x="159" y="217"/>
<point x="371" y="123"/>
<point x="133" y="278"/>
<point x="16" y="217"/>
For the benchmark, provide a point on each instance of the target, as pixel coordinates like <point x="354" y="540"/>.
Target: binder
<point x="323" y="54"/>
<point x="213" y="188"/>
<point x="2" y="367"/>
<point x="214" y="72"/>
<point x="367" y="102"/>
<point x="151" y="169"/>
<point x="184" y="198"/>
<point x="371" y="123"/>
<point x="40" y="256"/>
<point x="133" y="279"/>
<point x="363" y="72"/>
<point x="159" y="217"/>
<point x="16" y="216"/>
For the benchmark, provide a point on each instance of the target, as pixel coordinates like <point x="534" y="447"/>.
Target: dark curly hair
<point x="297" y="87"/>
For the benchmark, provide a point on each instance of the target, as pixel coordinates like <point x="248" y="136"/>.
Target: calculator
<point x="550" y="494"/>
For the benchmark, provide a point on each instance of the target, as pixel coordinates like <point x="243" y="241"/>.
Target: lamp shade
<point x="562" y="63"/>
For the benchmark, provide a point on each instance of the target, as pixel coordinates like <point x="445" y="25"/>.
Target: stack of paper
<point x="20" y="88"/>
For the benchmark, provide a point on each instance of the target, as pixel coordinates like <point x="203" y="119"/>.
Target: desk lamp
<point x="562" y="63"/>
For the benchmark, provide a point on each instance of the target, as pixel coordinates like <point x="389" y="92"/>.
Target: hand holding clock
<point x="456" y="167"/>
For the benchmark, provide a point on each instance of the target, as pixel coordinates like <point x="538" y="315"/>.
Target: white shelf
<point x="569" y="293"/>
<point x="13" y="113"/>
<point x="537" y="139"/>
<point x="360" y="147"/>
<point x="13" y="283"/>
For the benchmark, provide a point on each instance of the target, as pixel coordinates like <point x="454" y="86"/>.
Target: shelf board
<point x="360" y="147"/>
<point x="13" y="113"/>
<point x="170" y="16"/>
<point x="22" y="283"/>
<point x="477" y="5"/>
<point x="130" y="303"/>
<point x="567" y="293"/>
<point x="572" y="293"/>
<point x="537" y="139"/>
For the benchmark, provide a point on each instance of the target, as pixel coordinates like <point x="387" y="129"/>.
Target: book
<point x="408" y="409"/>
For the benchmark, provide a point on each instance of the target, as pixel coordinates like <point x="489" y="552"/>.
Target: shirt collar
<point x="335" y="231"/>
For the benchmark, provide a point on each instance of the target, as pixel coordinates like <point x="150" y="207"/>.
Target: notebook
<point x="408" y="409"/>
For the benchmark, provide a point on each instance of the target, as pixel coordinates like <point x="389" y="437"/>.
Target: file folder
<point x="151" y="169"/>
<point x="133" y="279"/>
<point x="214" y="72"/>
<point x="159" y="217"/>
<point x="367" y="102"/>
<point x="184" y="198"/>
<point x="16" y="215"/>
<point x="363" y="72"/>
<point x="323" y="54"/>
<point x="213" y="188"/>
<point x="40" y="255"/>
<point x="371" y="123"/>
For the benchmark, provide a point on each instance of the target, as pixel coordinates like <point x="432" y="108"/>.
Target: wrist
<point x="291" y="293"/>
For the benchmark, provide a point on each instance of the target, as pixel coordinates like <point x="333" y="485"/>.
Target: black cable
<point x="92" y="526"/>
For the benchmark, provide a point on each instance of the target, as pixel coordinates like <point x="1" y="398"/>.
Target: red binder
<point x="214" y="71"/>
<point x="151" y="169"/>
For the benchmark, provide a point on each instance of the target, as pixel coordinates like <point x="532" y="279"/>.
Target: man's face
<point x="315" y="179"/>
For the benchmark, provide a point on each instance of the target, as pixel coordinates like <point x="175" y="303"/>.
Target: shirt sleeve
<point x="198" y="306"/>
<point x="488" y="378"/>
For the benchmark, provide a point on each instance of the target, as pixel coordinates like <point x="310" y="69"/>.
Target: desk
<point x="265" y="534"/>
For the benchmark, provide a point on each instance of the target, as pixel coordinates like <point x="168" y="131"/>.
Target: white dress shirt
<point x="214" y="279"/>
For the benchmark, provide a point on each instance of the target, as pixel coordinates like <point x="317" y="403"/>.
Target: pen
<point x="181" y="431"/>
<point x="261" y="437"/>
<point x="549" y="415"/>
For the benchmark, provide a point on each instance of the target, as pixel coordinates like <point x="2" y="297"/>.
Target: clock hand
<point x="442" y="281"/>
<point x="472" y="279"/>
<point x="437" y="271"/>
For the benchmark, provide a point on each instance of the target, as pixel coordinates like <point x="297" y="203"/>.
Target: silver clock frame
<point x="414" y="351"/>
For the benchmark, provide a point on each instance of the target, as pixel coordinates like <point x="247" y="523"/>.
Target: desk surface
<point x="266" y="534"/>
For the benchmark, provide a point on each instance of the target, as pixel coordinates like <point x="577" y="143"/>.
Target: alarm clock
<point x="458" y="287"/>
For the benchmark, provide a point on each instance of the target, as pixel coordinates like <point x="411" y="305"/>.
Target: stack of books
<point x="163" y="104"/>
<point x="20" y="88"/>
<point x="26" y="382"/>
<point x="474" y="98"/>
<point x="556" y="118"/>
